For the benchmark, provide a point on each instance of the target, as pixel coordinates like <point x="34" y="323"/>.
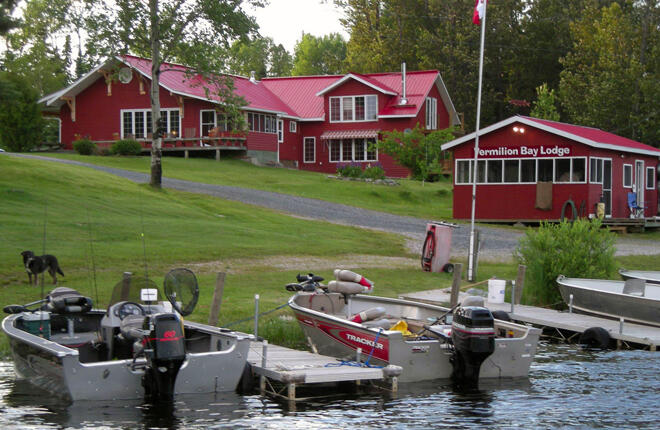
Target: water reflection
<point x="567" y="388"/>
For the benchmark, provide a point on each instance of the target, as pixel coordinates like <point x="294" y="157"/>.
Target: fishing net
<point x="181" y="289"/>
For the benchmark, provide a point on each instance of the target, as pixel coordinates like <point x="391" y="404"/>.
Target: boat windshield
<point x="136" y="289"/>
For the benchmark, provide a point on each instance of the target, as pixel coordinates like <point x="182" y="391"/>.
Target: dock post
<point x="264" y="355"/>
<point x="456" y="285"/>
<point x="358" y="355"/>
<point x="291" y="392"/>
<point x="513" y="294"/>
<point x="217" y="155"/>
<point x="520" y="282"/>
<point x="395" y="384"/>
<point x="256" y="315"/>
<point x="621" y="325"/>
<point x="570" y="304"/>
<point x="217" y="299"/>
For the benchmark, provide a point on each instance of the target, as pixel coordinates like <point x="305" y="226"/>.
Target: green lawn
<point x="412" y="198"/>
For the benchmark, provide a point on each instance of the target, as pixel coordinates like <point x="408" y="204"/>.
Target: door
<point x="639" y="183"/>
<point x="607" y="186"/>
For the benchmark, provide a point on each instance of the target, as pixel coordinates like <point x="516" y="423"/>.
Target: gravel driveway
<point x="496" y="243"/>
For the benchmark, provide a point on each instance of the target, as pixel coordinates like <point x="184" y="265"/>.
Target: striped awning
<point x="349" y="134"/>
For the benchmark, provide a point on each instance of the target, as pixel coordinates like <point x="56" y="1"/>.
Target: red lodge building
<point x="310" y="122"/>
<point x="529" y="168"/>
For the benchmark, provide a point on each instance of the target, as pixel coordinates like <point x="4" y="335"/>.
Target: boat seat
<point x="63" y="300"/>
<point x="634" y="287"/>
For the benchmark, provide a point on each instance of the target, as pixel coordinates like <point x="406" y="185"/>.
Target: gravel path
<point x="497" y="244"/>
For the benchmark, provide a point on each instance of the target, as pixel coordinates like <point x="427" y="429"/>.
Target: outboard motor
<point x="165" y="350"/>
<point x="473" y="335"/>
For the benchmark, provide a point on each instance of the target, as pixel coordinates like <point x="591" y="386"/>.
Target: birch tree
<point x="197" y="33"/>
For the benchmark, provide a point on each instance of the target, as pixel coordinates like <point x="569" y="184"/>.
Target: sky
<point x="285" y="20"/>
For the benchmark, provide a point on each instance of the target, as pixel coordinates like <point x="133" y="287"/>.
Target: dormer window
<point x="353" y="108"/>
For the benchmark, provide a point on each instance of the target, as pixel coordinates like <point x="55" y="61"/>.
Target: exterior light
<point x="515" y="129"/>
<point x="522" y="130"/>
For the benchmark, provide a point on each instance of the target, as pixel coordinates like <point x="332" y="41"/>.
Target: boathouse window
<point x="309" y="150"/>
<point x="136" y="123"/>
<point x="353" y="108"/>
<point x="522" y="171"/>
<point x="627" y="175"/>
<point x="650" y="178"/>
<point x="431" y="113"/>
<point x="343" y="150"/>
<point x="596" y="170"/>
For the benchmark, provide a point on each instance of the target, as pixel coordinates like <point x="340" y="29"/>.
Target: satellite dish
<point x="125" y="75"/>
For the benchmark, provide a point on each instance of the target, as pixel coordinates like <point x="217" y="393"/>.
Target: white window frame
<point x="367" y="106"/>
<point x="598" y="161"/>
<point x="280" y="130"/>
<point x="431" y="113"/>
<point x="202" y="123"/>
<point x="163" y="112"/>
<point x="293" y="127"/>
<point x="305" y="143"/>
<point x="650" y="180"/>
<point x="470" y="164"/>
<point x="343" y="142"/>
<point x="269" y="121"/>
<point x="623" y="180"/>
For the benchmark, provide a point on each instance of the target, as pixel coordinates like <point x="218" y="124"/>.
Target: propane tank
<point x="345" y="287"/>
<point x="347" y="275"/>
<point x="369" y="314"/>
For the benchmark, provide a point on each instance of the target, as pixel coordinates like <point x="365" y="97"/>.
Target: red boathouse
<point x="528" y="168"/>
<point x="310" y="122"/>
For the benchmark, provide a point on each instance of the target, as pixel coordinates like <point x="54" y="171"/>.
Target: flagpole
<point x="471" y="255"/>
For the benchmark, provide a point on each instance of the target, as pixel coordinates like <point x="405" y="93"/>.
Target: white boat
<point x="427" y="341"/>
<point x="634" y="300"/>
<point x="139" y="347"/>
<point x="650" y="276"/>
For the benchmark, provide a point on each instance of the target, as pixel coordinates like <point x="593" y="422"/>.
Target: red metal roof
<point x="296" y="96"/>
<point x="349" y="134"/>
<point x="587" y="135"/>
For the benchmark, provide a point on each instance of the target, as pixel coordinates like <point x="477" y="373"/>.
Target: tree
<point x="21" y="123"/>
<point x="259" y="55"/>
<point x="610" y="76"/>
<point x="545" y="105"/>
<point x="7" y="22"/>
<point x="195" y="32"/>
<point x="323" y="55"/>
<point x="416" y="150"/>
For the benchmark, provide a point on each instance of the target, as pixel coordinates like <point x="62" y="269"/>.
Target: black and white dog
<point x="35" y="265"/>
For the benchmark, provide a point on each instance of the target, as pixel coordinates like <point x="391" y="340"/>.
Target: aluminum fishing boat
<point x="634" y="300"/>
<point x="651" y="277"/>
<point x="427" y="341"/>
<point x="140" y="347"/>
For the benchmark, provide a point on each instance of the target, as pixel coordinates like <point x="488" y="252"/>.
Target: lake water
<point x="567" y="388"/>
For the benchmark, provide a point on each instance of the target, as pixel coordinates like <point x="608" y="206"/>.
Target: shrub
<point x="349" y="170"/>
<point x="126" y="147"/>
<point x="84" y="147"/>
<point x="374" y="171"/>
<point x="580" y="249"/>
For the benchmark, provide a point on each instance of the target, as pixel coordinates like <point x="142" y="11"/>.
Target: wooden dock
<point x="281" y="370"/>
<point x="565" y="324"/>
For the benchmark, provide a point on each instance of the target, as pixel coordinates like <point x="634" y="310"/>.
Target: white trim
<point x="341" y="108"/>
<point x="314" y="146"/>
<point x="549" y="129"/>
<point x="536" y="170"/>
<point x="397" y="116"/>
<point x="623" y="179"/>
<point x="280" y="131"/>
<point x="357" y="78"/>
<point x="293" y="126"/>
<point x="352" y="143"/>
<point x="431" y="113"/>
<point x="650" y="185"/>
<point x="146" y="111"/>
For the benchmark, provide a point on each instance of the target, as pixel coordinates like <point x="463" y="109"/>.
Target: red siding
<point x="516" y="201"/>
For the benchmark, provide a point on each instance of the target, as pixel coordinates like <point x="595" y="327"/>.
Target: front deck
<point x="186" y="145"/>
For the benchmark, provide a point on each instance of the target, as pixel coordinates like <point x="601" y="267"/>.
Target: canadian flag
<point x="479" y="11"/>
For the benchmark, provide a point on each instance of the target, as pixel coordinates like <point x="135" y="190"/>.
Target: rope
<point x="252" y="316"/>
<point x="373" y="347"/>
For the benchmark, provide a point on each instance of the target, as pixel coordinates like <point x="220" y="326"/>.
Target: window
<point x="353" y="108"/>
<point x="293" y="126"/>
<point x="431" y="113"/>
<point x="262" y="123"/>
<point x="511" y="170"/>
<point x="353" y="150"/>
<point x="136" y="123"/>
<point x="207" y="121"/>
<point x="650" y="178"/>
<point x="280" y="130"/>
<point x="522" y="171"/>
<point x="627" y="176"/>
<point x="309" y="150"/>
<point x="596" y="170"/>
